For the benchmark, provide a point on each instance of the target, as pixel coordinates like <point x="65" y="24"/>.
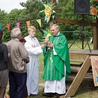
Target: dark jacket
<point x="3" y="57"/>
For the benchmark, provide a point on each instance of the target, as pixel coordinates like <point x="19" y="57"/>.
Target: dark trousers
<point x="17" y="82"/>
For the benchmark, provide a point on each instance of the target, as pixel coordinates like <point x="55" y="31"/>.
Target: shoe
<point x="33" y="94"/>
<point x="48" y="94"/>
<point x="58" y="95"/>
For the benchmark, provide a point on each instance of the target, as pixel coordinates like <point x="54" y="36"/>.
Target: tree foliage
<point x="64" y="9"/>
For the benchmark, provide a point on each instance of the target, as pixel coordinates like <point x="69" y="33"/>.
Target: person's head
<point x="1" y="35"/>
<point x="16" y="33"/>
<point x="54" y="29"/>
<point x="32" y="31"/>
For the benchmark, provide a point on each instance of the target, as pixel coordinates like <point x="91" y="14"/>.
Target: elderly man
<point x="56" y="63"/>
<point x="18" y="57"/>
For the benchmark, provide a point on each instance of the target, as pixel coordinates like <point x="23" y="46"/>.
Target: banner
<point x="8" y="27"/>
<point x="0" y="27"/>
<point x="94" y="63"/>
<point x="39" y="22"/>
<point x="28" y="23"/>
<point x="18" y="24"/>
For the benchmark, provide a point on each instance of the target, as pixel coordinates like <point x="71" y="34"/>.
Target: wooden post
<point x="95" y="35"/>
<point x="53" y="21"/>
<point x="78" y="79"/>
<point x="53" y="1"/>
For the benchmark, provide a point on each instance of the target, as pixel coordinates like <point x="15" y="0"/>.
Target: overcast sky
<point x="8" y="5"/>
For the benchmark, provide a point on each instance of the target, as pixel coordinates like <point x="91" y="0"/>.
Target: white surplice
<point x="34" y="49"/>
<point x="56" y="86"/>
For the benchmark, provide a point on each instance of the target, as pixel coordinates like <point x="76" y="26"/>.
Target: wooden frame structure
<point x="94" y="25"/>
<point x="85" y="55"/>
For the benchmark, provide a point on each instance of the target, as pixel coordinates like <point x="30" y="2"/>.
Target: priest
<point x="56" y="63"/>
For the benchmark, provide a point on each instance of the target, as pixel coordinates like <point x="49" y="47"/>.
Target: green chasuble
<point x="54" y="63"/>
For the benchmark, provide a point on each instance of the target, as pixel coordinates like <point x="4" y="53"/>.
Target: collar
<point x="15" y="39"/>
<point x="30" y="37"/>
<point x="57" y="34"/>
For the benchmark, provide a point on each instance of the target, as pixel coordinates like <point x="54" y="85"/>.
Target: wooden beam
<point x="62" y="20"/>
<point x="53" y="1"/>
<point x="95" y="36"/>
<point x="78" y="79"/>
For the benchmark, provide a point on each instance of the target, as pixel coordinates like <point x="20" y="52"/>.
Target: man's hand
<point x="43" y="45"/>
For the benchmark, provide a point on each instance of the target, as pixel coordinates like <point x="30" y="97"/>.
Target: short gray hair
<point x="15" y="32"/>
<point x="56" y="26"/>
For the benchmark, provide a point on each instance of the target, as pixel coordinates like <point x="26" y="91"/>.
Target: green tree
<point x="64" y="9"/>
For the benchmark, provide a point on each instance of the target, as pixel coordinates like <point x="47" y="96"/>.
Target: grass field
<point x="86" y="89"/>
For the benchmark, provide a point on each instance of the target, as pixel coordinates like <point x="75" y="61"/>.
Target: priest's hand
<point x="46" y="41"/>
<point x="50" y="45"/>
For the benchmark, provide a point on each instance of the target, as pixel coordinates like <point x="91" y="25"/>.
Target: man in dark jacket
<point x="3" y="66"/>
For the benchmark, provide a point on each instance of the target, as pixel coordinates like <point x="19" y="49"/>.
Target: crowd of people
<point x="19" y="63"/>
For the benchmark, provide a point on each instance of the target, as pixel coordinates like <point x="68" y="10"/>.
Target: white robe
<point x="55" y="86"/>
<point x="34" y="49"/>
